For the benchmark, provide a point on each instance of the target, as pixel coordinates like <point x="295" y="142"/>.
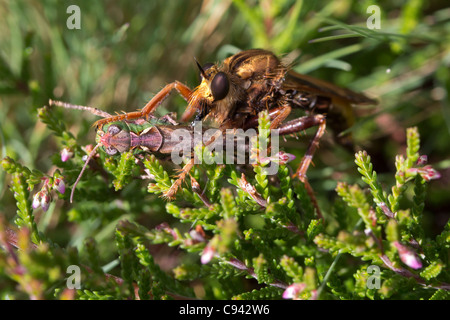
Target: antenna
<point x="92" y="110"/>
<point x="200" y="68"/>
<point x="91" y="154"/>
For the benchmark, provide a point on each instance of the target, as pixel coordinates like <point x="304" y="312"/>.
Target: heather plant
<point x="233" y="231"/>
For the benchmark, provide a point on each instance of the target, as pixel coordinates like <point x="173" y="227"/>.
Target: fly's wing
<point x="300" y="82"/>
<point x="339" y="109"/>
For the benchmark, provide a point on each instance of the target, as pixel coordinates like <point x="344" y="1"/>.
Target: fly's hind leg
<point x="301" y="124"/>
<point x="150" y="107"/>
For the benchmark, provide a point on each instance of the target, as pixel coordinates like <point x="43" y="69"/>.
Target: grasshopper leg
<point x="170" y="194"/>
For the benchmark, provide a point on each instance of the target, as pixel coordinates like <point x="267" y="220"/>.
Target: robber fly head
<point x="242" y="83"/>
<point x="217" y="93"/>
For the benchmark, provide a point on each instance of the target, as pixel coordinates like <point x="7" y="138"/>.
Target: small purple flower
<point x="208" y="254"/>
<point x="428" y="173"/>
<point x="423" y="159"/>
<point x="197" y="236"/>
<point x="281" y="158"/>
<point x="66" y="154"/>
<point x="45" y="200"/>
<point x="36" y="200"/>
<point x="165" y="227"/>
<point x="293" y="290"/>
<point x="284" y="157"/>
<point x="408" y="256"/>
<point x="59" y="185"/>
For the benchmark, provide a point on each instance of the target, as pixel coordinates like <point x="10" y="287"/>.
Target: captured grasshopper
<point x="153" y="135"/>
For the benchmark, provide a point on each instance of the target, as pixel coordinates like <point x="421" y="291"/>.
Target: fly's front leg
<point x="276" y="115"/>
<point x="150" y="107"/>
<point x="279" y="116"/>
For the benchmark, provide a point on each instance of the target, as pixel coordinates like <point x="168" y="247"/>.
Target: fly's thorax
<point x="261" y="74"/>
<point x="255" y="65"/>
<point x="115" y="137"/>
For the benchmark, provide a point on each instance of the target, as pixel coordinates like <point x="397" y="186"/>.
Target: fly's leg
<point x="276" y="115"/>
<point x="189" y="112"/>
<point x="150" y="107"/>
<point x="301" y="124"/>
<point x="279" y="115"/>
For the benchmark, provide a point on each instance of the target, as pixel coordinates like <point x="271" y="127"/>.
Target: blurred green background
<point x="126" y="51"/>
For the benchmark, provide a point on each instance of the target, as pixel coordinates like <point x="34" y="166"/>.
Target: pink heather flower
<point x="197" y="236"/>
<point x="59" y="185"/>
<point x="281" y="158"/>
<point x="293" y="290"/>
<point x="165" y="227"/>
<point x="45" y="200"/>
<point x="428" y="173"/>
<point x="423" y="159"/>
<point x="208" y="254"/>
<point x="36" y="200"/>
<point x="314" y="295"/>
<point x="408" y="256"/>
<point x="66" y="154"/>
<point x="284" y="157"/>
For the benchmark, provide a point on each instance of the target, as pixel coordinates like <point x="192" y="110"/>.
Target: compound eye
<point x="111" y="151"/>
<point x="113" y="130"/>
<point x="220" y="86"/>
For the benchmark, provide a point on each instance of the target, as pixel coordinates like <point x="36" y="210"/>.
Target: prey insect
<point x="234" y="92"/>
<point x="152" y="135"/>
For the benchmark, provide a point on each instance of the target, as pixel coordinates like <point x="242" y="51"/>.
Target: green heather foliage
<point x="385" y="232"/>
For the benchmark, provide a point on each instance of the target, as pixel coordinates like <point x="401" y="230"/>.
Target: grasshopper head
<point x="114" y="137"/>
